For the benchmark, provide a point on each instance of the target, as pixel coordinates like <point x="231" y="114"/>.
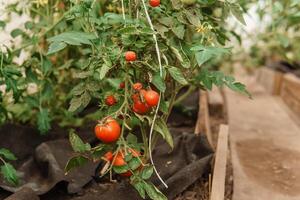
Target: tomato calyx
<point x="137" y="86"/>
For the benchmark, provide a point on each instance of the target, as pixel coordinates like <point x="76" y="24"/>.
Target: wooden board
<point x="203" y="121"/>
<point x="218" y="183"/>
<point x="270" y="79"/>
<point x="290" y="93"/>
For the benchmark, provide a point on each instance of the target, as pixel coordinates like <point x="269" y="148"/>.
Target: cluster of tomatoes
<point x="143" y="100"/>
<point x="109" y="129"/>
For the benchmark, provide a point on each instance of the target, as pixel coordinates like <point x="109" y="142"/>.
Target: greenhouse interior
<point x="150" y="99"/>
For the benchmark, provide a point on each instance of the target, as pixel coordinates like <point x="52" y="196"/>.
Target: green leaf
<point x="85" y="99"/>
<point x="134" y="163"/>
<point x="80" y="102"/>
<point x="55" y="47"/>
<point x="132" y="139"/>
<point x="162" y="128"/>
<point x="114" y="82"/>
<point x="284" y="41"/>
<point x="238" y="13"/>
<point x="43" y="121"/>
<point x="46" y="66"/>
<point x="179" y="31"/>
<point x="7" y="154"/>
<point x="74" y="104"/>
<point x="121" y="169"/>
<point x="29" y="25"/>
<point x="147" y="172"/>
<point x="74" y="162"/>
<point x="16" y="32"/>
<point x="183" y="59"/>
<point x="153" y="192"/>
<point x="77" y="144"/>
<point x="139" y="186"/>
<point x="2" y="24"/>
<point x="204" y="54"/>
<point x="9" y="173"/>
<point x="103" y="71"/>
<point x="177" y="75"/>
<point x="73" y="38"/>
<point x="158" y="82"/>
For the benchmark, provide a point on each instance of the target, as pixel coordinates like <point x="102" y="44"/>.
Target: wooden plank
<point x="203" y="121"/>
<point x="290" y="93"/>
<point x="278" y="77"/>
<point x="270" y="79"/>
<point x="218" y="183"/>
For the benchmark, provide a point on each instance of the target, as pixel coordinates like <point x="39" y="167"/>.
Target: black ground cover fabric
<point x="41" y="161"/>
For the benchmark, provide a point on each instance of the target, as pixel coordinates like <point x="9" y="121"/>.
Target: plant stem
<point x="145" y="140"/>
<point x="185" y="95"/>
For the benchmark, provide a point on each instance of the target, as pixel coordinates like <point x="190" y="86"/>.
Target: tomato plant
<point x="142" y="52"/>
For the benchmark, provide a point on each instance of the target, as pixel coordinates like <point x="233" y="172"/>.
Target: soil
<point x="279" y="166"/>
<point x="200" y="190"/>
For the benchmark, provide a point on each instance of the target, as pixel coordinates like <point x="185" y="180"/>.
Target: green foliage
<point x="6" y="154"/>
<point x="6" y="169"/>
<point x="75" y="162"/>
<point x="77" y="60"/>
<point x="77" y="144"/>
<point x="209" y="78"/>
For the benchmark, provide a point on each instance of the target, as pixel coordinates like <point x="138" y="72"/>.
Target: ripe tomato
<point x="119" y="160"/>
<point x="109" y="131"/>
<point x="151" y="97"/>
<point x="140" y="107"/>
<point x="109" y="156"/>
<point x="130" y="56"/>
<point x="110" y="100"/>
<point x="61" y="5"/>
<point x="135" y="97"/>
<point x="154" y="3"/>
<point x="122" y="85"/>
<point x="137" y="86"/>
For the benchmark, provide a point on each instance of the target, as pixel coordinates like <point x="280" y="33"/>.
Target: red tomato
<point x="61" y="6"/>
<point x="135" y="97"/>
<point x="110" y="100"/>
<point x="108" y="156"/>
<point x="109" y="131"/>
<point x="122" y="85"/>
<point x="130" y="56"/>
<point x="151" y="97"/>
<point x="119" y="160"/>
<point x="137" y="86"/>
<point x="154" y="3"/>
<point x="140" y="107"/>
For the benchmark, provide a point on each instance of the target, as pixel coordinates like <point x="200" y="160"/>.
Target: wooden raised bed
<point x="290" y="93"/>
<point x="270" y="79"/>
<point x="217" y="98"/>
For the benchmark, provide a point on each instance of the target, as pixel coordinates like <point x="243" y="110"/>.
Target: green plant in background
<point x="129" y="59"/>
<point x="280" y="39"/>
